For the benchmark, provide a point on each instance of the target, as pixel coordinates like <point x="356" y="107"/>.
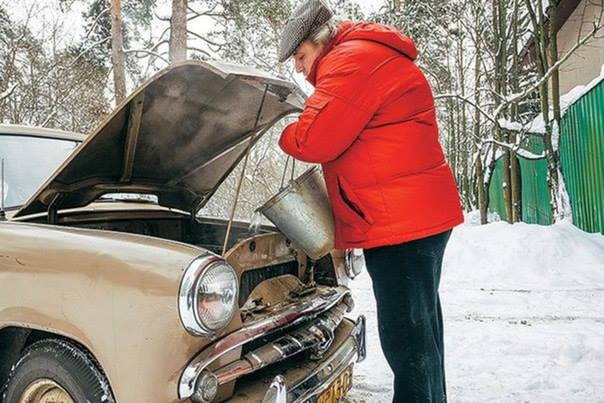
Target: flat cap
<point x="304" y="21"/>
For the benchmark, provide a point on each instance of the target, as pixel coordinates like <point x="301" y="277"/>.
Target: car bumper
<point x="313" y="324"/>
<point x="351" y="351"/>
<point x="286" y="387"/>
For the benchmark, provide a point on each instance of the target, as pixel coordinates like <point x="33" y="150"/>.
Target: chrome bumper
<point x="303" y="310"/>
<point x="352" y="350"/>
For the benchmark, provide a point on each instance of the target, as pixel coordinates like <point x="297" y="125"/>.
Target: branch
<point x="464" y="99"/>
<point x="50" y="116"/>
<point x="200" y="51"/>
<point x="159" y="17"/>
<point x="518" y="97"/>
<point x="519" y="128"/>
<point x="159" y="38"/>
<point x="96" y="20"/>
<point x="210" y="12"/>
<point x="218" y="45"/>
<point x="515" y="148"/>
<point x="7" y="93"/>
<point x="158" y="44"/>
<point x="97" y="43"/>
<point x="149" y="52"/>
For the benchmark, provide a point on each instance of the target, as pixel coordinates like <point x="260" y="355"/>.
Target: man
<point x="371" y="124"/>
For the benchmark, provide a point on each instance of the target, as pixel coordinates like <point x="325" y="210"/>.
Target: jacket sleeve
<point x="333" y="117"/>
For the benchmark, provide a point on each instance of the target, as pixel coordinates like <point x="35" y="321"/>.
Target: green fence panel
<point x="496" y="200"/>
<point x="533" y="181"/>
<point x="536" y="208"/>
<point x="581" y="163"/>
<point x="582" y="159"/>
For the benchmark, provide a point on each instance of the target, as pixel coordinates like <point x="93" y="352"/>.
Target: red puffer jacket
<point x="371" y="124"/>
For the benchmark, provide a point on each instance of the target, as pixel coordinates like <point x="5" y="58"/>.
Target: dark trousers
<point x="405" y="283"/>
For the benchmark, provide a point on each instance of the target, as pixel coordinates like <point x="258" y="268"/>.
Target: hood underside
<point x="177" y="136"/>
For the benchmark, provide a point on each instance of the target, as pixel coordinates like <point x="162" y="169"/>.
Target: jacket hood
<point x="379" y="33"/>
<point x="177" y="137"/>
<point x="368" y="31"/>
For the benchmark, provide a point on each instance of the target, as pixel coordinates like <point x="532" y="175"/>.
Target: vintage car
<point x="114" y="289"/>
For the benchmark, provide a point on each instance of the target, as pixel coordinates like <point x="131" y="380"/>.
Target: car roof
<point x="31" y="131"/>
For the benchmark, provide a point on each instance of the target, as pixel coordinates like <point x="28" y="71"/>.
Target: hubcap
<point x="45" y="391"/>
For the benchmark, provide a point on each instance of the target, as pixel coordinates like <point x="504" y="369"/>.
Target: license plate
<point x="338" y="389"/>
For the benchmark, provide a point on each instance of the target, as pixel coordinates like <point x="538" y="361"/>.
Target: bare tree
<point x="504" y="95"/>
<point x="45" y="79"/>
<point x="117" y="51"/>
<point x="178" y="31"/>
<point x="543" y="18"/>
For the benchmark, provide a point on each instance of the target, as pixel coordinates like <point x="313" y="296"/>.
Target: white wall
<point x="586" y="64"/>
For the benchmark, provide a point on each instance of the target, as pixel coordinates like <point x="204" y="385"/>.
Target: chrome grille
<point x="251" y="278"/>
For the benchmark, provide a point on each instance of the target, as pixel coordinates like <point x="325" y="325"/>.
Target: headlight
<point x="208" y="295"/>
<point x="355" y="262"/>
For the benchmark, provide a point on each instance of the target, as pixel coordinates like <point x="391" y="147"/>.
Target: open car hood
<point x="177" y="136"/>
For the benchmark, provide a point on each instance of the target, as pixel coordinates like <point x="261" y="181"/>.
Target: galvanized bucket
<point x="302" y="212"/>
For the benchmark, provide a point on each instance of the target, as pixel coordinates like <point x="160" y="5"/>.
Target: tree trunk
<point x="117" y="51"/>
<point x="515" y="173"/>
<point x="178" y="31"/>
<point x="554" y="160"/>
<point x="478" y="169"/>
<point x="499" y="25"/>
<point x="462" y="129"/>
<point x="542" y="35"/>
<point x="482" y="190"/>
<point x="515" y="176"/>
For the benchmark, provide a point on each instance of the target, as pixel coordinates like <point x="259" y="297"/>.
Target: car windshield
<point x="28" y="162"/>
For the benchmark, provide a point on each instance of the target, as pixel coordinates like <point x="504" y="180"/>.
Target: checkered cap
<point x="303" y="22"/>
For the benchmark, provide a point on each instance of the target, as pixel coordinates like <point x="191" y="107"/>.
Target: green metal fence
<point x="536" y="208"/>
<point x="496" y="200"/>
<point x="582" y="159"/>
<point x="581" y="163"/>
<point x="534" y="193"/>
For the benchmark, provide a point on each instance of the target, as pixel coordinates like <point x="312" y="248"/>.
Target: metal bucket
<point x="302" y="212"/>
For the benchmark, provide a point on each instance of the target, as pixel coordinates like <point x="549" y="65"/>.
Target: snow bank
<point x="524" y="256"/>
<point x="523" y="317"/>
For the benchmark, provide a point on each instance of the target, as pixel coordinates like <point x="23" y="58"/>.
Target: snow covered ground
<point x="524" y="317"/>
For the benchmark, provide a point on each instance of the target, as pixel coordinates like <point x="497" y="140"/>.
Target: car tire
<point x="56" y="366"/>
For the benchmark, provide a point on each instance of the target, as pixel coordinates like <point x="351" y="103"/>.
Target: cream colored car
<point x="112" y="289"/>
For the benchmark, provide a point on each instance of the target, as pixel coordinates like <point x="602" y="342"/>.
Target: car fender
<point x="114" y="293"/>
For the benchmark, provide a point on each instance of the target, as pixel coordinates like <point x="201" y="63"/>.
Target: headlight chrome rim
<point x="188" y="295"/>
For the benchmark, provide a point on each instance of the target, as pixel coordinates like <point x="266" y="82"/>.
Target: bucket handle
<point x="285" y="171"/>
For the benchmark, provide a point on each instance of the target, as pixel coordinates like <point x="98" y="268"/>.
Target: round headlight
<point x="216" y="296"/>
<point x="208" y="295"/>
